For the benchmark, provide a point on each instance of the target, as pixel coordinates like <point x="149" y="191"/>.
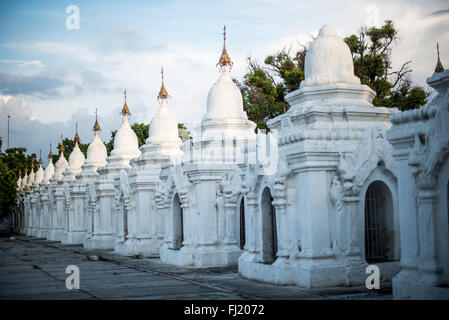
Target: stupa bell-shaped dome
<point x="76" y="159"/>
<point x="24" y="181"/>
<point x="125" y="140"/>
<point x="61" y="164"/>
<point x="96" y="152"/>
<point x="328" y="60"/>
<point x="39" y="177"/>
<point x="163" y="127"/>
<point x="48" y="172"/>
<point x="225" y="100"/>
<point x="31" y="177"/>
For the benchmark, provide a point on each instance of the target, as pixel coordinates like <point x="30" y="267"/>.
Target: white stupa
<point x="31" y="177"/>
<point x="39" y="177"/>
<point x="76" y="160"/>
<point x="126" y="147"/>
<point x="19" y="181"/>
<point x="225" y="123"/>
<point x="163" y="130"/>
<point x="324" y="66"/>
<point x="24" y="180"/>
<point x="61" y="164"/>
<point x="50" y="169"/>
<point x="329" y="78"/>
<point x="96" y="155"/>
<point x="162" y="146"/>
<point x="224" y="102"/>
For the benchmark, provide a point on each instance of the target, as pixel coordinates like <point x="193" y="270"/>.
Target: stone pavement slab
<point x="33" y="268"/>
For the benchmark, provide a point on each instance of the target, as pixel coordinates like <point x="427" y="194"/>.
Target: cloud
<point x="439" y="13"/>
<point x="89" y="68"/>
<point x="24" y="63"/>
<point x="39" y="84"/>
<point x="122" y="41"/>
<point x="29" y="132"/>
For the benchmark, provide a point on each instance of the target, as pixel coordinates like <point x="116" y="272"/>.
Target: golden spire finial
<point x="439" y="67"/>
<point x="61" y="146"/>
<point x="50" y="155"/>
<point x="32" y="165"/>
<point x="96" y="125"/>
<point x="225" y="60"/>
<point x="26" y="170"/>
<point x="20" y="173"/>
<point x="76" y="139"/>
<point x="125" y="110"/>
<point x="163" y="94"/>
<point x="40" y="157"/>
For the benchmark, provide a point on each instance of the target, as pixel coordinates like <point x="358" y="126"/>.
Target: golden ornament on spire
<point x="20" y="173"/>
<point x="50" y="155"/>
<point x="76" y="139"/>
<point x="40" y="157"/>
<point x="61" y="146"/>
<point x="225" y="60"/>
<point x="163" y="94"/>
<point x="125" y="110"/>
<point x="96" y="125"/>
<point x="26" y="170"/>
<point x="32" y="165"/>
<point x="439" y="67"/>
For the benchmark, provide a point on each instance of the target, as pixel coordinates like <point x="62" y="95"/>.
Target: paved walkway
<point x="33" y="268"/>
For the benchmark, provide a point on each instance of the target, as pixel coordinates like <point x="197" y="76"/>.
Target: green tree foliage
<point x="371" y="50"/>
<point x="264" y="88"/>
<point x="16" y="159"/>
<point x="184" y="134"/>
<point x="8" y="188"/>
<point x="11" y="161"/>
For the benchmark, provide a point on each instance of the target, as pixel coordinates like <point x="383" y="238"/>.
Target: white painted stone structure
<point x="83" y="188"/>
<point x="139" y="225"/>
<point x="126" y="147"/>
<point x="305" y="223"/>
<point x="421" y="150"/>
<point x="336" y="185"/>
<point x="73" y="217"/>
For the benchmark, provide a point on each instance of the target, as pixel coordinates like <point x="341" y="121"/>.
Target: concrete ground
<point x="33" y="268"/>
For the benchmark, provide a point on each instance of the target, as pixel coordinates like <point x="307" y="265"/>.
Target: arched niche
<point x="379" y="217"/>
<point x="178" y="224"/>
<point x="269" y="228"/>
<point x="240" y="222"/>
<point x="443" y="217"/>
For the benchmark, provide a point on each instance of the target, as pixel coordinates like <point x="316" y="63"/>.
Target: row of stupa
<point x="337" y="185"/>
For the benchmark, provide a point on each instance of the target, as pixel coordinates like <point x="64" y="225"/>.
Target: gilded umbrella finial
<point x="96" y="125"/>
<point x="40" y="157"/>
<point x="76" y="139"/>
<point x="61" y="145"/>
<point x="50" y="155"/>
<point x="125" y="110"/>
<point x="163" y="94"/>
<point x="225" y="60"/>
<point x="439" y="67"/>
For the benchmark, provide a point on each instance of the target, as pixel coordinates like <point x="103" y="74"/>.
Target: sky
<point x="53" y="75"/>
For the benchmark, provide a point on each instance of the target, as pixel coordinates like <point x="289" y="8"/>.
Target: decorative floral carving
<point x="373" y="150"/>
